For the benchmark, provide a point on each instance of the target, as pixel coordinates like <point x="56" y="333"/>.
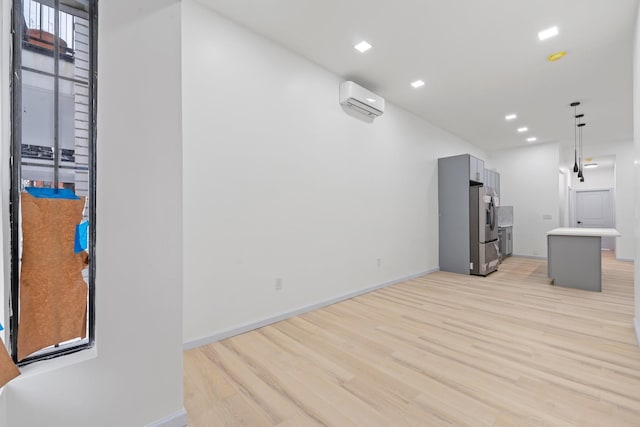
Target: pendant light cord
<point x="580" y="146"/>
<point x="575" y="129"/>
<point x="575" y="104"/>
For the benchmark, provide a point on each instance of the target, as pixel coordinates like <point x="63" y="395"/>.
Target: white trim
<point x="199" y="342"/>
<point x="5" y="172"/>
<point x="636" y="326"/>
<point x="625" y="259"/>
<point x="57" y="363"/>
<point x="3" y="408"/>
<point x="177" y="419"/>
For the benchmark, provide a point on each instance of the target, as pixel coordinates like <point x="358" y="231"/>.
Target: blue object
<point x="1" y="328"/>
<point x="82" y="237"/>
<point x="52" y="193"/>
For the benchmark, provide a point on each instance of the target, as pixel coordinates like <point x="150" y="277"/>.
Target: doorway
<point x="594" y="208"/>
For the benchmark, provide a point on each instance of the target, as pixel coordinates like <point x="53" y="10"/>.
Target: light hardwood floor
<point x="441" y="350"/>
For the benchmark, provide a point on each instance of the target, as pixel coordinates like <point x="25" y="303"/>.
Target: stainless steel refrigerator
<point x="483" y="228"/>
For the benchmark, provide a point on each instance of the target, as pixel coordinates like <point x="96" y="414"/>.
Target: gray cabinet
<point x="454" y="174"/>
<point x="505" y="241"/>
<point x="492" y="179"/>
<point x="575" y="261"/>
<point x="476" y="168"/>
<point x="487" y="178"/>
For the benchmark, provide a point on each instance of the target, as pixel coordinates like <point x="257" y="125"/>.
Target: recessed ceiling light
<point x="371" y="100"/>
<point x="555" y="56"/>
<point x="363" y="46"/>
<point x="590" y="165"/>
<point x="523" y="129"/>
<point x="510" y="117"/>
<point x="548" y="33"/>
<point x="417" y="84"/>
<point x="532" y="139"/>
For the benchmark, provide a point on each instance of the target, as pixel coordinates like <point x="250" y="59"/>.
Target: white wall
<point x="636" y="186"/>
<point x="599" y="178"/>
<point x="596" y="179"/>
<point x="529" y="183"/>
<point x="3" y="410"/>
<point x="537" y="180"/>
<point x="623" y="178"/>
<point x="136" y="377"/>
<point x="280" y="183"/>
<point x="625" y="201"/>
<point x="563" y="199"/>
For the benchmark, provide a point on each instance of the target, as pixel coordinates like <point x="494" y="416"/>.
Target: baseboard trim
<point x="636" y="326"/>
<point x="625" y="259"/>
<point x="530" y="256"/>
<point x="177" y="419"/>
<point x="199" y="342"/>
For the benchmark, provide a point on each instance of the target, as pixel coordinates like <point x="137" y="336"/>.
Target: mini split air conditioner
<point x="361" y="100"/>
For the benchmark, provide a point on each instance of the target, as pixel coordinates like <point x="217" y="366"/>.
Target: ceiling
<point x="603" y="162"/>
<point x="480" y="59"/>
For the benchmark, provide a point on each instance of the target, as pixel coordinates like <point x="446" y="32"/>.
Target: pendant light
<point x="575" y="147"/>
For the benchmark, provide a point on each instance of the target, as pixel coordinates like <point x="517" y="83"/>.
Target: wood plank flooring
<point x="440" y="350"/>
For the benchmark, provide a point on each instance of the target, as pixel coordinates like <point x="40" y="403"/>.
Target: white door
<point x="594" y="209"/>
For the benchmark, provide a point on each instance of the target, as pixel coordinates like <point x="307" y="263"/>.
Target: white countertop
<point x="566" y="231"/>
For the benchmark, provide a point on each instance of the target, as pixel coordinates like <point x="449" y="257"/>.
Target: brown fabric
<point x="8" y="370"/>
<point x="53" y="294"/>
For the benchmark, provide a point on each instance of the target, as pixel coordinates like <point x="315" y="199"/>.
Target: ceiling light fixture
<point x="548" y="33"/>
<point x="510" y="117"/>
<point x="532" y="139"/>
<point x="590" y="165"/>
<point x="523" y="129"/>
<point x="417" y="84"/>
<point x="558" y="55"/>
<point x="363" y="46"/>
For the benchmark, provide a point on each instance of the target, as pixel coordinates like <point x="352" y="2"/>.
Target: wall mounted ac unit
<point x="360" y="99"/>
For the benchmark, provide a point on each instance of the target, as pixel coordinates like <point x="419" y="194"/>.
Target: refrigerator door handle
<point x="492" y="210"/>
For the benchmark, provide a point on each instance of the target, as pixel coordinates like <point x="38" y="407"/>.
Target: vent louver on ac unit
<point x="361" y="100"/>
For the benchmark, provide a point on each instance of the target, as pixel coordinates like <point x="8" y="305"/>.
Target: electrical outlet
<point x="278" y="286"/>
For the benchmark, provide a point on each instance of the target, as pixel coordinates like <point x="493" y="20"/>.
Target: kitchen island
<point x="574" y="256"/>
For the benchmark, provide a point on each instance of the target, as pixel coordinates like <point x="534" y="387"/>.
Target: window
<point x="53" y="169"/>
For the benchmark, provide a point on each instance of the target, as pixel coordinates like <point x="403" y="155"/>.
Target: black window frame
<point x="17" y="27"/>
